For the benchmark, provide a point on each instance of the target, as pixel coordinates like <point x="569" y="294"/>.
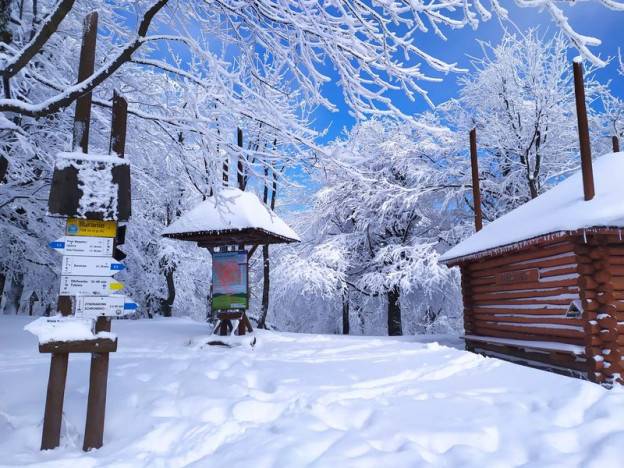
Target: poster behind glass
<point x="229" y="280"/>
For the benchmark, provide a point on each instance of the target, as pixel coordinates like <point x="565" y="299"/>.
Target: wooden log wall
<point x="526" y="296"/>
<point x="601" y="267"/>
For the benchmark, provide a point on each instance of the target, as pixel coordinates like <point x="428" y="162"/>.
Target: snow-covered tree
<point x="520" y="98"/>
<point x="377" y="225"/>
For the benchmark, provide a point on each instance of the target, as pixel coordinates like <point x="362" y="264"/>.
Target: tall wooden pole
<point x="476" y="191"/>
<point x="583" y="129"/>
<point x="53" y="415"/>
<point x="118" y="125"/>
<point x="82" y="117"/>
<point x="616" y="144"/>
<point x="98" y="377"/>
<point x="96" y="403"/>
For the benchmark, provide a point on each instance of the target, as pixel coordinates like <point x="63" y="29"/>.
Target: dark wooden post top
<point x="583" y="129"/>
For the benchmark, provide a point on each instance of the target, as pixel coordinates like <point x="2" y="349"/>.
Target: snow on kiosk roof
<point x="231" y="217"/>
<point x="559" y="211"/>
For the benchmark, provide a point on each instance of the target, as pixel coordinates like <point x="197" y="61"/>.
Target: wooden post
<point x="583" y="129"/>
<point x="96" y="404"/>
<point x="82" y="117"/>
<point x="616" y="144"/>
<point x="476" y="191"/>
<point x="239" y="170"/>
<point x="53" y="415"/>
<point x="118" y="126"/>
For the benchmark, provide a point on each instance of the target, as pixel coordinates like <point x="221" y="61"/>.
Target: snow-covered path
<point x="305" y="400"/>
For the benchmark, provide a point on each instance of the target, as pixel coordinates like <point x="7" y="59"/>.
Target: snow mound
<point x="231" y="209"/>
<point x="48" y="329"/>
<point x="561" y="209"/>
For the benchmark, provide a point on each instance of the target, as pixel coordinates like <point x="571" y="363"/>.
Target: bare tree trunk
<point x="345" y="313"/>
<point x="266" y="264"/>
<point x="266" y="270"/>
<point x="394" y="312"/>
<point x="167" y="304"/>
<point x="2" y="283"/>
<point x="13" y="295"/>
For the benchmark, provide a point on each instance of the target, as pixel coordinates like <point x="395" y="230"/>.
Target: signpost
<point x="90" y="266"/>
<point x="90" y="227"/>
<point x="85" y="246"/>
<point x="89" y="286"/>
<point x="87" y="289"/>
<point x="103" y="306"/>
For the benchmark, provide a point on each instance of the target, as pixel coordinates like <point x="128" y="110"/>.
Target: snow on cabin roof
<point x="559" y="210"/>
<point x="231" y="210"/>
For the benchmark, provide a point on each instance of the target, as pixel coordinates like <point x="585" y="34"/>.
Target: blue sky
<point x="588" y="18"/>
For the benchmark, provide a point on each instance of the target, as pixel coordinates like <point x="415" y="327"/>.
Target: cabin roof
<point x="559" y="211"/>
<point x="231" y="216"/>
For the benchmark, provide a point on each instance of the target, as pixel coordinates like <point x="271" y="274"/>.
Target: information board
<point x="229" y="280"/>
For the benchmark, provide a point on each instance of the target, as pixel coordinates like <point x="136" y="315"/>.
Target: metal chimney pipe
<point x="476" y="191"/>
<point x="583" y="129"/>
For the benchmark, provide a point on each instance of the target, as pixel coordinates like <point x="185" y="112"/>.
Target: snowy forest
<point x="312" y="233"/>
<point x="227" y="92"/>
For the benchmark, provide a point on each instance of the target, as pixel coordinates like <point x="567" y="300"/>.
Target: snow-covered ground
<point x="305" y="400"/>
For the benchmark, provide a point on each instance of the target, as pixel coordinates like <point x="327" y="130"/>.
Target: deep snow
<point x="305" y="400"/>
<point x="562" y="208"/>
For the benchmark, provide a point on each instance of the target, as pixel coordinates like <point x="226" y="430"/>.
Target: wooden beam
<point x="118" y="125"/>
<point x="53" y="415"/>
<point x="86" y="66"/>
<point x="476" y="190"/>
<point x="96" y="403"/>
<point x="583" y="130"/>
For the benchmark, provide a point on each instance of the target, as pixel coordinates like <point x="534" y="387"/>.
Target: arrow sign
<point x="85" y="246"/>
<point x="108" y="306"/>
<point x="89" y="286"/>
<point x="90" y="266"/>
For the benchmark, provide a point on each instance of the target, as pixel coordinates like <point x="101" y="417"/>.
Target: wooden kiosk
<point x="232" y="222"/>
<point x="544" y="284"/>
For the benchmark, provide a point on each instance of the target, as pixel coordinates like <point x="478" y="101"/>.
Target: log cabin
<point x="543" y="285"/>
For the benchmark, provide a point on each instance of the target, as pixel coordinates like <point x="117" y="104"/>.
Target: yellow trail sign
<point x="90" y="227"/>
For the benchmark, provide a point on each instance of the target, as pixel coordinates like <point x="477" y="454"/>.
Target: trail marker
<point x="107" y="306"/>
<point x="90" y="266"/>
<point x="85" y="246"/>
<point x="90" y="227"/>
<point x="89" y="286"/>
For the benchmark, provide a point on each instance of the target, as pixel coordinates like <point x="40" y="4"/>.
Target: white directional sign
<point x="90" y="266"/>
<point x="95" y="306"/>
<point x="89" y="286"/>
<point x="85" y="246"/>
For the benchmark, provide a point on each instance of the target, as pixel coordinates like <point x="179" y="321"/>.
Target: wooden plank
<point x="548" y="332"/>
<point x="512" y="310"/>
<point x="532" y="334"/>
<point x="532" y="285"/>
<point x="101" y="345"/>
<point x="493" y="319"/>
<point x="568" y="261"/>
<point x="521" y="257"/>
<point x="559" y="272"/>
<point x="526" y="294"/>
<point x="512" y="302"/>
<point x="567" y="360"/>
